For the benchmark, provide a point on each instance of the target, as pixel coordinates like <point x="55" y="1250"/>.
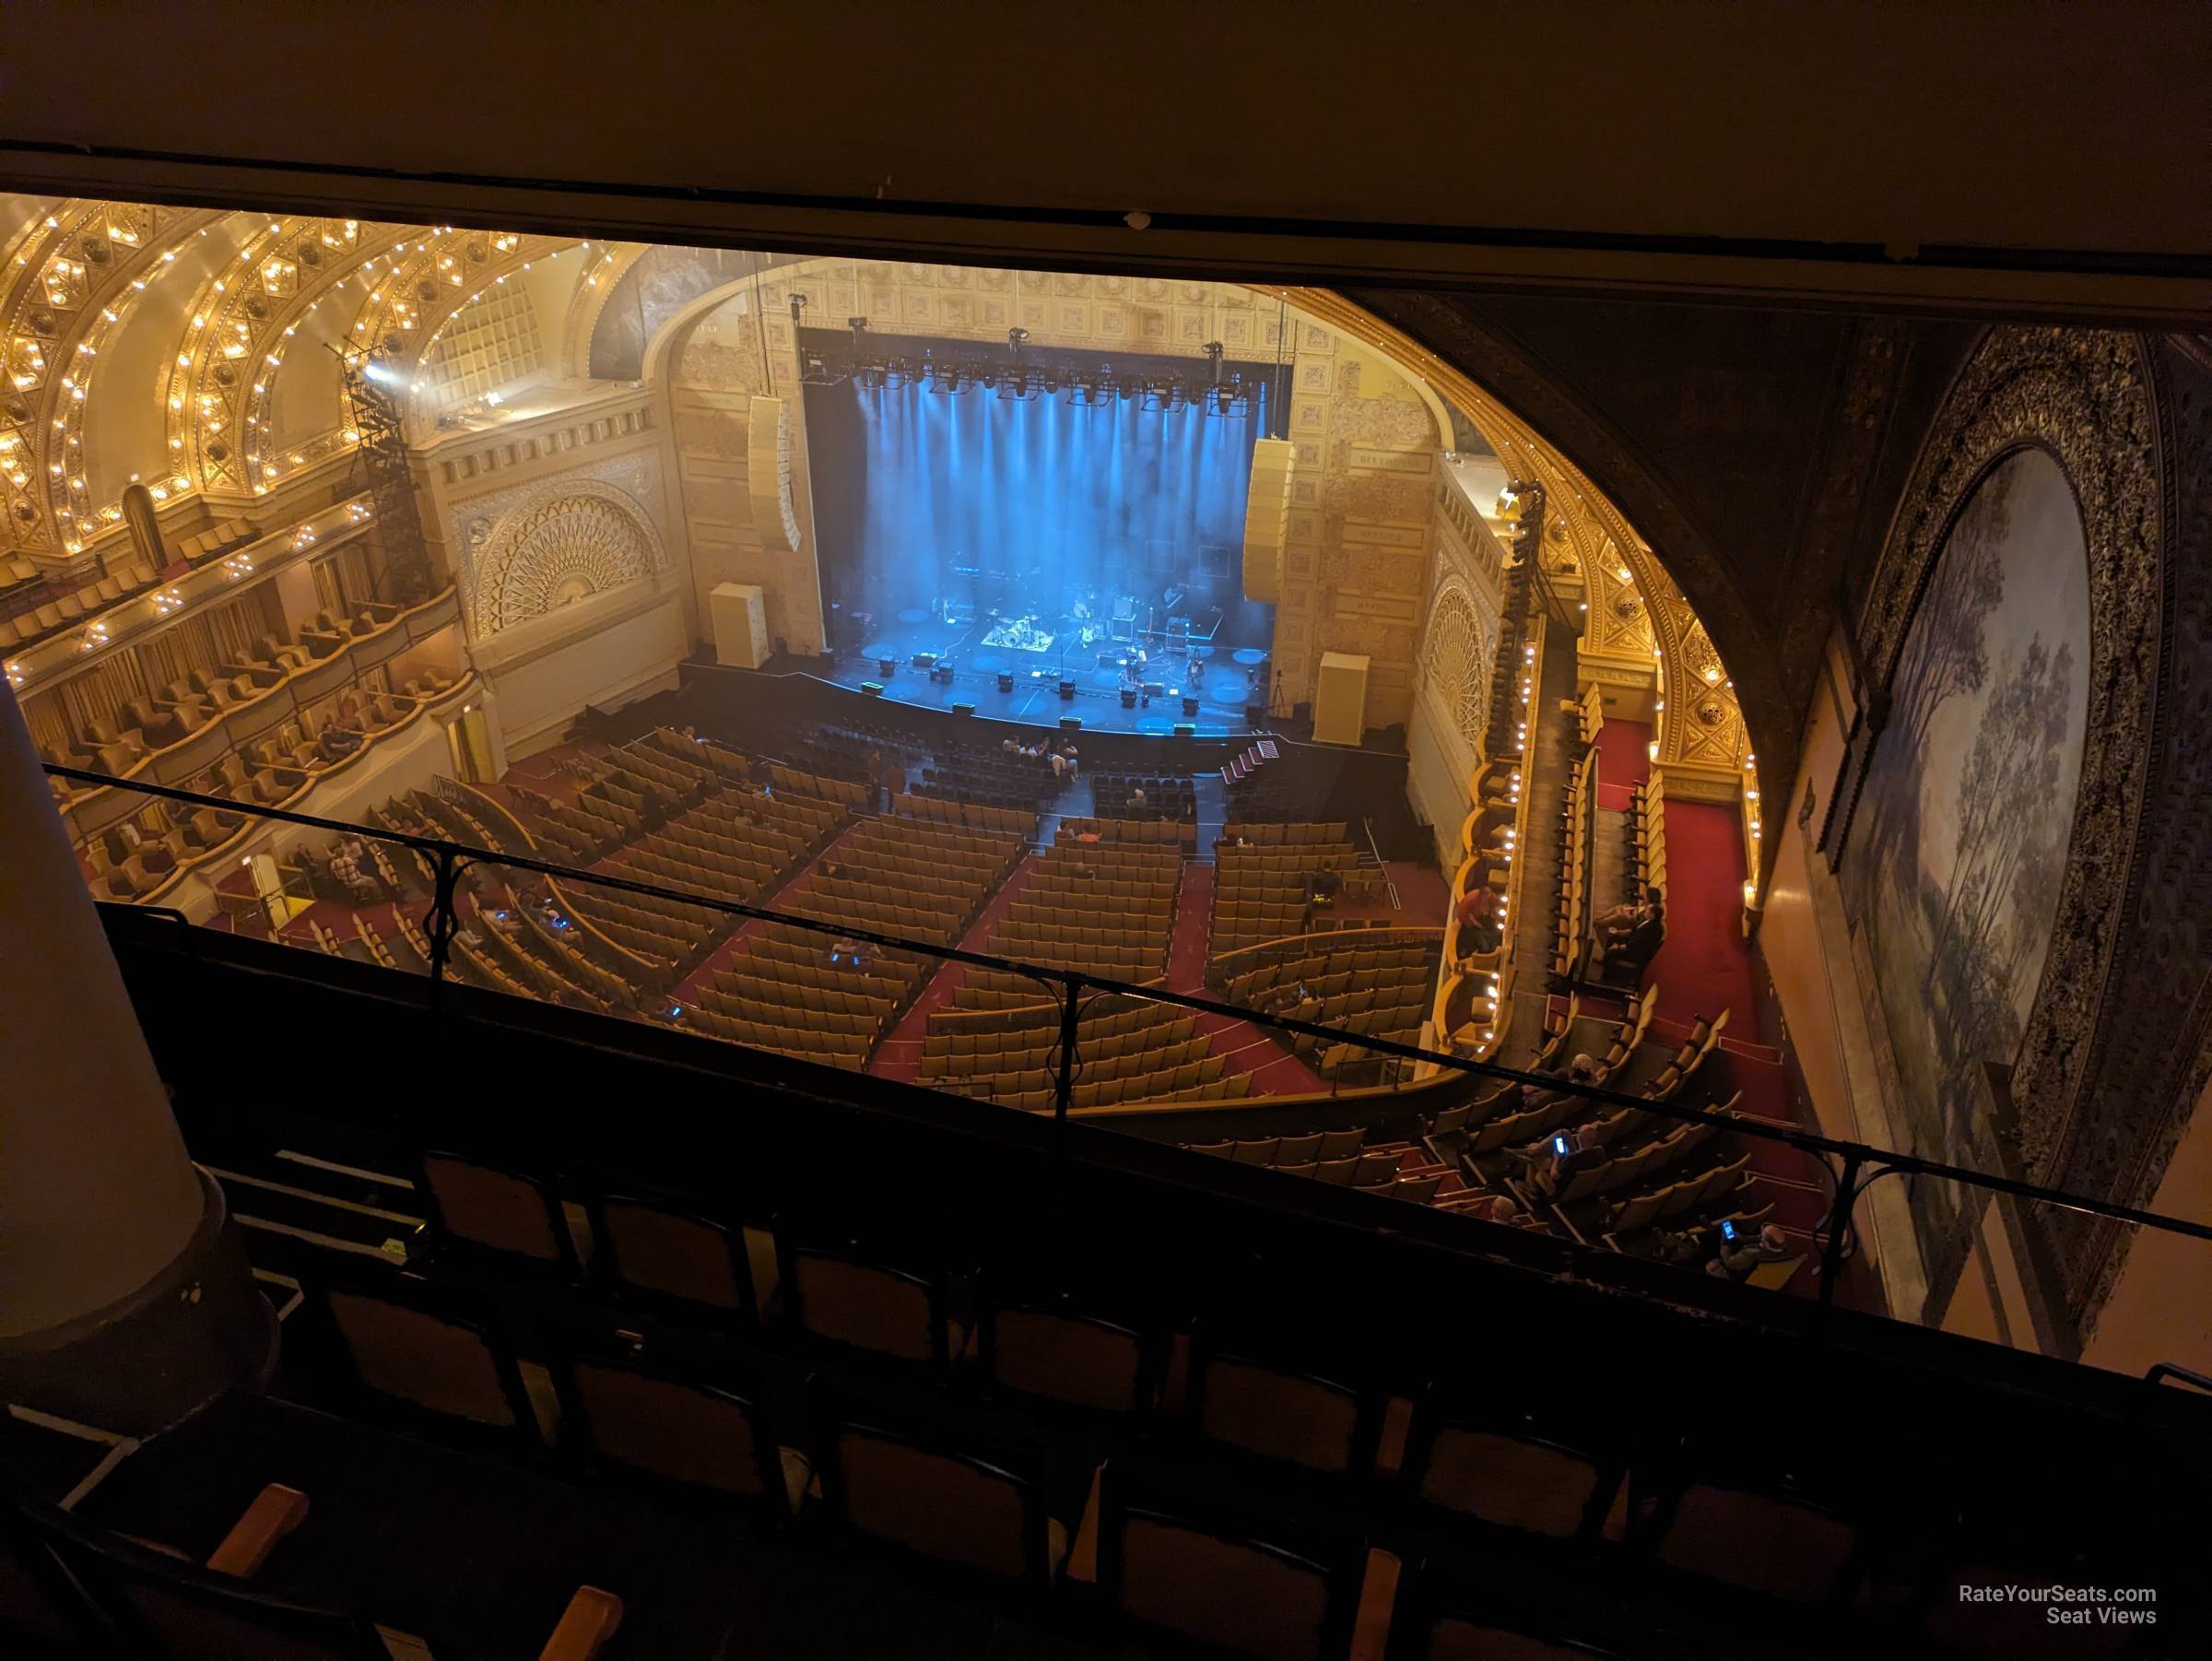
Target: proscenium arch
<point x="668" y="341"/>
<point x="1686" y="644"/>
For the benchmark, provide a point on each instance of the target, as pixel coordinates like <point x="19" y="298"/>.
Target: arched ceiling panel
<point x="125" y="430"/>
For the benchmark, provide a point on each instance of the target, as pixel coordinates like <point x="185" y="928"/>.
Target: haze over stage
<point x="1038" y="537"/>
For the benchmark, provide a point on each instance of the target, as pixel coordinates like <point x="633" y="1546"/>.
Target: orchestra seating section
<point x="1014" y="780"/>
<point x="939" y="811"/>
<point x="739" y="846"/>
<point x="1166" y="797"/>
<point x="1127" y="1049"/>
<point x="830" y="999"/>
<point x="1099" y="908"/>
<point x="1374" y="982"/>
<point x="1264" y="890"/>
<point x="789" y="991"/>
<point x="1161" y="833"/>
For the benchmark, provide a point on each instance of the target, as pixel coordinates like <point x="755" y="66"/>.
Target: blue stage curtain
<point x="1075" y="503"/>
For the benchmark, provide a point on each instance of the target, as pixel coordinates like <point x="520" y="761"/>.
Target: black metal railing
<point x="1852" y="1167"/>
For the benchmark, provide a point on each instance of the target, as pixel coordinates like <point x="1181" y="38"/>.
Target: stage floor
<point x="1223" y="688"/>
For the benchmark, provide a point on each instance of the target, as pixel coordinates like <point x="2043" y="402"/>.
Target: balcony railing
<point x="1851" y="1167"/>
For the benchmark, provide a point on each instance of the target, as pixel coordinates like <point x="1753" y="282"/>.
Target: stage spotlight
<point x="815" y="370"/>
<point x="798" y="309"/>
<point x="1020" y="386"/>
<point x="859" y="325"/>
<point x="1016" y="339"/>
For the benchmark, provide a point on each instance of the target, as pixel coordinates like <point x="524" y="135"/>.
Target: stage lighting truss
<point x="1014" y="376"/>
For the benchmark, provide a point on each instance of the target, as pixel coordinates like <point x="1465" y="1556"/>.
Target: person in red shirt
<point x="1477" y="917"/>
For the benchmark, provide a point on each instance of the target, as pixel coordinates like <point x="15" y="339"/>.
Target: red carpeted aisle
<point x="1243" y="1047"/>
<point x="899" y="1055"/>
<point x="1705" y="965"/>
<point x="1624" y="761"/>
<point x="686" y="990"/>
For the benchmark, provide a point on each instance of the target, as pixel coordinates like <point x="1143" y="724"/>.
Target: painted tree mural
<point x="1968" y="807"/>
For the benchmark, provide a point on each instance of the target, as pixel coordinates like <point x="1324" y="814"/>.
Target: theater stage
<point x="1222" y="685"/>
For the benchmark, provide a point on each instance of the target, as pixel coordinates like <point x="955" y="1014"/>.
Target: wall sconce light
<point x="1652" y="750"/>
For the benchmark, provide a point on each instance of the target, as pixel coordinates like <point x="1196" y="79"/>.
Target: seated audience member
<point x="335" y="743"/>
<point x="1136" y="798"/>
<point x="1565" y="1167"/>
<point x="1583" y="1069"/>
<point x="1477" y="914"/>
<point x="345" y="870"/>
<point x="1627" y="915"/>
<point x="1011" y="748"/>
<point x="1059" y="763"/>
<point x="1737" y="1259"/>
<point x="1503" y="1209"/>
<point x="1625" y="922"/>
<point x="1639" y="944"/>
<point x="1292" y="1003"/>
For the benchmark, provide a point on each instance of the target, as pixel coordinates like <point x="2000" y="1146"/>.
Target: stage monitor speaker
<point x="874" y="689"/>
<point x="925" y="660"/>
<point x="1067" y="688"/>
<point x="887" y="667"/>
<point x="739" y="616"/>
<point x="1340" y="698"/>
<point x="963" y="708"/>
<point x="1186" y="729"/>
<point x="1190" y="704"/>
<point x="1071" y="724"/>
<point x="1128" y="698"/>
<point x="1267" y="520"/>
<point x="768" y="473"/>
<point x="1005" y="680"/>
